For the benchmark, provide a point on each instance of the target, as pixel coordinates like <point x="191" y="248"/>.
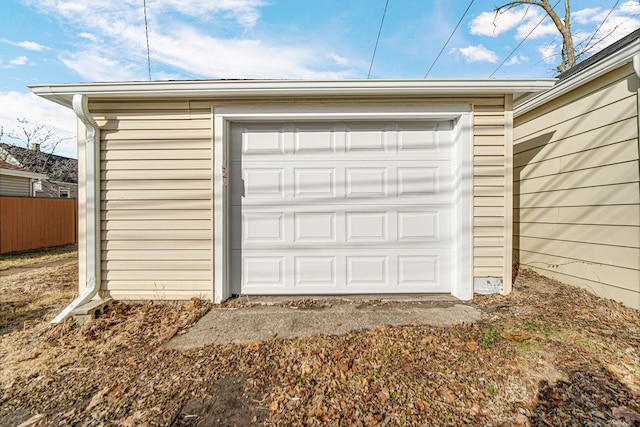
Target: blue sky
<point x="69" y="41"/>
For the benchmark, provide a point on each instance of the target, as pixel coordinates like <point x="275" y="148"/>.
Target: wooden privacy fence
<point x="33" y="223"/>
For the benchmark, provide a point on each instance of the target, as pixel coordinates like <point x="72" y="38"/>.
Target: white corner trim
<point x="610" y="63"/>
<point x="462" y="278"/>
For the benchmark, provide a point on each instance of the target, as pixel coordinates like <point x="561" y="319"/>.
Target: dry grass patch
<point x="30" y="258"/>
<point x="548" y="354"/>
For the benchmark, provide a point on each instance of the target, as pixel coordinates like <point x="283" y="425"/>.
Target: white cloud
<point x="517" y="59"/>
<point x="116" y="47"/>
<point x="493" y="24"/>
<point x="630" y="7"/>
<point x="88" y="36"/>
<point x="540" y="31"/>
<point x="340" y="60"/>
<point x="245" y="12"/>
<point x="26" y="45"/>
<point x="235" y="58"/>
<point x="584" y="16"/>
<point x="478" y="53"/>
<point x="20" y="60"/>
<point x="37" y="110"/>
<point x="549" y="54"/>
<point x="92" y="66"/>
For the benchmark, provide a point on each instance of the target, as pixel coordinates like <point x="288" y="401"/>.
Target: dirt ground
<point x="546" y="355"/>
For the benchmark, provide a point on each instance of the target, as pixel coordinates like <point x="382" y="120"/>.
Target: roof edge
<point x="609" y="63"/>
<point x="21" y="173"/>
<point x="63" y="93"/>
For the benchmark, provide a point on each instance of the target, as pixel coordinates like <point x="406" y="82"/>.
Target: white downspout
<point x="81" y="108"/>
<point x="636" y="68"/>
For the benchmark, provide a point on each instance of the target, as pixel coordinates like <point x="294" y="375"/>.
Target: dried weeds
<point x="548" y="354"/>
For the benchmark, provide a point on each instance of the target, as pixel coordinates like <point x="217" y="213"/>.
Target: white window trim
<point x="462" y="278"/>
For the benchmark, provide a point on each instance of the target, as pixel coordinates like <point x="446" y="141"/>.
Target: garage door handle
<point x="243" y="188"/>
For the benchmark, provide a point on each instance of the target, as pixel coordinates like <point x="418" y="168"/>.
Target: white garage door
<point x="333" y="208"/>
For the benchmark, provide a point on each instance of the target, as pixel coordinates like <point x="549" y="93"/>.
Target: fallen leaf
<point x="472" y="345"/>
<point x="306" y="368"/>
<point x="255" y="346"/>
<point x="448" y="395"/>
<point x="33" y="420"/>
<point x="423" y="405"/>
<point x="383" y="395"/>
<point x="522" y="336"/>
<point x="132" y="361"/>
<point x="115" y="393"/>
<point x="97" y="399"/>
<point x="343" y="366"/>
<point x="630" y="416"/>
<point x="274" y="406"/>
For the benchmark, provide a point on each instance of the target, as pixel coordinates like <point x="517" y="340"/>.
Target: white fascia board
<point x="23" y="174"/>
<point x="62" y="94"/>
<point x="600" y="68"/>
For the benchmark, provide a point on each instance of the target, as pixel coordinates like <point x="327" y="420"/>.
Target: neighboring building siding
<point x="577" y="191"/>
<point x="157" y="196"/>
<point x="156" y="200"/>
<point x="15" y="186"/>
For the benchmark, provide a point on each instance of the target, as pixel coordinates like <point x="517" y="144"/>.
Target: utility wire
<point x="449" y="39"/>
<point x="586" y="46"/>
<point x="373" y="57"/>
<point x="146" y="33"/>
<point x="522" y="41"/>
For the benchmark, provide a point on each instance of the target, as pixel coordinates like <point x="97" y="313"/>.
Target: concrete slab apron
<point x="245" y="325"/>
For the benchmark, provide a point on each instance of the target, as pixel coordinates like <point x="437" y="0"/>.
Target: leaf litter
<point x="547" y="354"/>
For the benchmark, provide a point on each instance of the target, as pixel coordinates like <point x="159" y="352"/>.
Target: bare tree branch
<point x="568" y="57"/>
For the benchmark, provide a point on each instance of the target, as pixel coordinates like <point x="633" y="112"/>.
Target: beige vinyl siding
<point x="157" y="205"/>
<point x="156" y="199"/>
<point x="491" y="199"/>
<point x="577" y="188"/>
<point x="15" y="186"/>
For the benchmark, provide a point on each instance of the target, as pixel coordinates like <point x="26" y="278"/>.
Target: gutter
<point x="80" y="105"/>
<point x="235" y="89"/>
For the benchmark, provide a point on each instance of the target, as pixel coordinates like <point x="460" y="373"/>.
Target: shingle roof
<point x="56" y="167"/>
<point x="601" y="55"/>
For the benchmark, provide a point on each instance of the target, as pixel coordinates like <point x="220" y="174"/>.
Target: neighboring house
<point x="61" y="172"/>
<point x="577" y="174"/>
<point x="15" y="181"/>
<point x="215" y="188"/>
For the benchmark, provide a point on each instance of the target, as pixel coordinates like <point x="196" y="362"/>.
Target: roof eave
<point x="616" y="60"/>
<point x="22" y="174"/>
<point x="237" y="89"/>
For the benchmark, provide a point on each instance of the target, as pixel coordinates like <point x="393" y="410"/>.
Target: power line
<point x="373" y="57"/>
<point x="522" y="41"/>
<point x="146" y="33"/>
<point x="449" y="39"/>
<point x="601" y="24"/>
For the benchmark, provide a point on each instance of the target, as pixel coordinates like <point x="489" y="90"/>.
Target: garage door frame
<point x="223" y="117"/>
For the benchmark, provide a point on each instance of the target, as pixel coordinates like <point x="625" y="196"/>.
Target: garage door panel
<point x="351" y="226"/>
<point x="351" y="272"/>
<point x="308" y="182"/>
<point x="314" y="227"/>
<point x="352" y="141"/>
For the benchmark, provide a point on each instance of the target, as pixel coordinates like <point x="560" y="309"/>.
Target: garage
<point x="341" y="207"/>
<point x="211" y="189"/>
